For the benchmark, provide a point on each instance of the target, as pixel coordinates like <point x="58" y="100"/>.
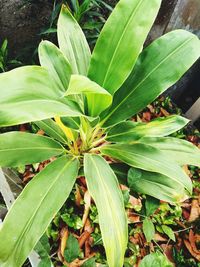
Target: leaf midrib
<point x="110" y="198"/>
<point x="120" y="40"/>
<point x="146" y="158"/>
<point x="31" y="148"/>
<point x="147" y="76"/>
<point x="37" y="208"/>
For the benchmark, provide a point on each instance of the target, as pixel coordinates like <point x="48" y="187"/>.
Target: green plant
<point x="5" y="62"/>
<point x="88" y="14"/>
<point x="90" y="98"/>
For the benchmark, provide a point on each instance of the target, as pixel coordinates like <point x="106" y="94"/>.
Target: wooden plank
<point x="194" y="112"/>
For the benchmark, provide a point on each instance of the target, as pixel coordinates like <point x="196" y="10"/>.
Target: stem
<point x="98" y="142"/>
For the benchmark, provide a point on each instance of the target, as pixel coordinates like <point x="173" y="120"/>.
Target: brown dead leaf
<point x="168" y="252"/>
<point x="87" y="200"/>
<point x="159" y="238"/>
<point x="191" y="245"/>
<point x="193" y="253"/>
<point x="84" y="236"/>
<point x="195" y="211"/>
<point x="135" y="239"/>
<point x="164" y="112"/>
<point x="27" y="176"/>
<point x="78" y="197"/>
<point x="88" y="226"/>
<point x="63" y="239"/>
<point x="146" y="116"/>
<point x="151" y="108"/>
<point x="87" y="248"/>
<point x="132" y="217"/>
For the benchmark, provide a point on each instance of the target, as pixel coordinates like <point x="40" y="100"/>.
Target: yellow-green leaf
<point x="104" y="188"/>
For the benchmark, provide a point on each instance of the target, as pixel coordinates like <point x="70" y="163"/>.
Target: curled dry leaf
<point x="146" y="116"/>
<point x="164" y="112"/>
<point x="78" y="197"/>
<point x="63" y="241"/>
<point x="132" y="217"/>
<point x="27" y="176"/>
<point x="87" y="200"/>
<point x="82" y="239"/>
<point x="191" y="245"/>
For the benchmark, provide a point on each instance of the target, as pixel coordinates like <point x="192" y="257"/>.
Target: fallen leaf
<point x="191" y="245"/>
<point x="87" y="200"/>
<point x="133" y="218"/>
<point x="146" y="116"/>
<point x="195" y="211"/>
<point x="63" y="239"/>
<point x="84" y="236"/>
<point x="78" y="197"/>
<point x="164" y="112"/>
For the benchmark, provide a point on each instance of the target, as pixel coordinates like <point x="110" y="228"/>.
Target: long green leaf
<point x="57" y="65"/>
<point x="121" y="41"/>
<point x="159" y="66"/>
<point x="104" y="188"/>
<point x="19" y="148"/>
<point x="129" y="131"/>
<point x="150" y="159"/>
<point x="34" y="209"/>
<point x="156" y="185"/>
<point x="34" y="110"/>
<point x="24" y="83"/>
<point x="72" y="42"/>
<point x="27" y="95"/>
<point x="156" y="259"/>
<point x="51" y="128"/>
<point x="82" y="85"/>
<point x="180" y="151"/>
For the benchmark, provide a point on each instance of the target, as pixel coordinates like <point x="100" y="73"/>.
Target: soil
<point x="20" y="23"/>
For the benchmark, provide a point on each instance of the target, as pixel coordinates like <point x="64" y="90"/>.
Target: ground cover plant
<point x="178" y="241"/>
<point x="91" y="98"/>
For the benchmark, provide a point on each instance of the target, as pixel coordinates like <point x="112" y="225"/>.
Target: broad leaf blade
<point x="24" y="83"/>
<point x="34" y="209"/>
<point x="148" y="229"/>
<point x="121" y="41"/>
<point x="82" y="85"/>
<point x="180" y="151"/>
<point x="156" y="185"/>
<point x="72" y="42"/>
<point x="154" y="73"/>
<point x="19" y="148"/>
<point x="27" y="95"/>
<point x="150" y="159"/>
<point x="126" y="132"/>
<point x="34" y="110"/>
<point x="51" y="128"/>
<point x="57" y="65"/>
<point x="73" y="123"/>
<point x="104" y="188"/>
<point x="156" y="259"/>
